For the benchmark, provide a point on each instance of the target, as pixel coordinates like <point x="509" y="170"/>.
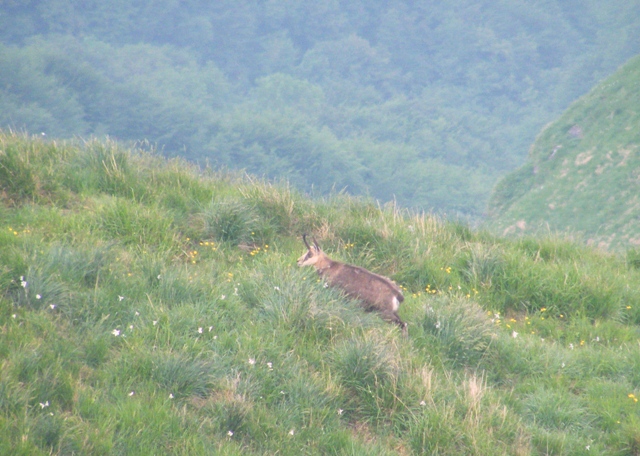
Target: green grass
<point x="149" y="307"/>
<point x="581" y="177"/>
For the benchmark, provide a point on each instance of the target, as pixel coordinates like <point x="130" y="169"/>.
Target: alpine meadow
<point x="149" y="306"/>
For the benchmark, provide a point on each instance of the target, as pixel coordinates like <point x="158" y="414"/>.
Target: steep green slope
<point x="583" y="171"/>
<point x="148" y="307"/>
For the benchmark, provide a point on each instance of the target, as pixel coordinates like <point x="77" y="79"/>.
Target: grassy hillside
<point x="148" y="307"/>
<point x="583" y="171"/>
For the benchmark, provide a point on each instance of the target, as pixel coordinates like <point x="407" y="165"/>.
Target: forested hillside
<point x="583" y="171"/>
<point x="427" y="103"/>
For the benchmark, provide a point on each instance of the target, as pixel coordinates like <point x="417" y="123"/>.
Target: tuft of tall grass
<point x="135" y="224"/>
<point x="461" y="328"/>
<point x="633" y="258"/>
<point x="364" y="363"/>
<point x="556" y="411"/>
<point x="230" y="220"/>
<point x="47" y="432"/>
<point x="181" y="376"/>
<point x="465" y="416"/>
<point x="479" y="263"/>
<point x="46" y="374"/>
<point x="234" y="415"/>
<point x="74" y="265"/>
<point x="374" y="242"/>
<point x="631" y="434"/>
<point x="17" y="182"/>
<point x="106" y="168"/>
<point x="550" y="248"/>
<point x="172" y="287"/>
<point x="38" y="289"/>
<point x="561" y="288"/>
<point x="14" y="397"/>
<point x="13" y="263"/>
<point x="280" y="210"/>
<point x="368" y="367"/>
<point x="96" y="349"/>
<point x="437" y="432"/>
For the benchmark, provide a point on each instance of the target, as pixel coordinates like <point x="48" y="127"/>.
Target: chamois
<point x="375" y="292"/>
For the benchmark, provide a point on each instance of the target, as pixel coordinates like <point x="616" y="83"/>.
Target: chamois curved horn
<point x="304" y="238"/>
<point x="315" y="243"/>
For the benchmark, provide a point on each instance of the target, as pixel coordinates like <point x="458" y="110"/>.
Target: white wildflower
<point x="514" y="334"/>
<point x="131" y="393"/>
<point x="45" y="404"/>
<point x="120" y="298"/>
<point x="340" y="411"/>
<point x="270" y="365"/>
<point x="230" y="433"/>
<point x="155" y="322"/>
<point x="252" y="361"/>
<point x="423" y="403"/>
<point x="38" y="296"/>
<point x="291" y="432"/>
<point x="200" y="330"/>
<point x="170" y="395"/>
<point x="52" y="306"/>
<point x="116" y="332"/>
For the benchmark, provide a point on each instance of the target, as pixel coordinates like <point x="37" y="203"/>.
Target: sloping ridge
<point x="582" y="175"/>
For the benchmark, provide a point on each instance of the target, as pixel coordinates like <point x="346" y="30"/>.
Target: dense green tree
<point x="34" y="100"/>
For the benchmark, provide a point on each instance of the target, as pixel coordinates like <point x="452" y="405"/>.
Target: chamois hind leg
<point x="393" y="317"/>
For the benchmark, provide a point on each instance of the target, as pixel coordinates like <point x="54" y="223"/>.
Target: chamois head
<point x="313" y="254"/>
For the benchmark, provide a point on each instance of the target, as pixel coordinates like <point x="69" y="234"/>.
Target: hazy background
<point x="428" y="103"/>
